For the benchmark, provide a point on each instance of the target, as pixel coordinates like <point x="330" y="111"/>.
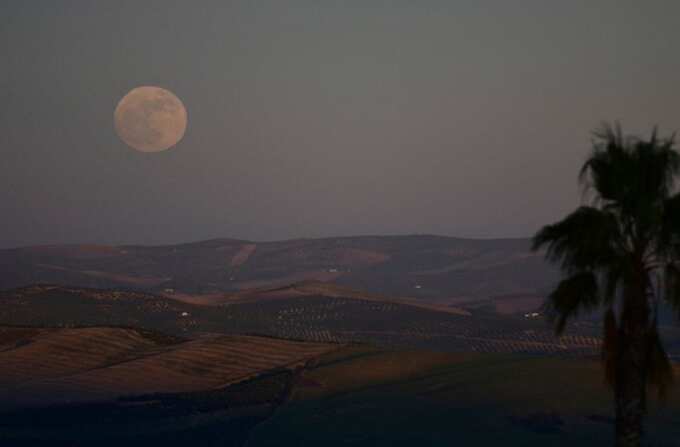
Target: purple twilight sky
<point x="319" y="118"/>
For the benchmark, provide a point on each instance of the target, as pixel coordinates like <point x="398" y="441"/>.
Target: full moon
<point x="150" y="119"/>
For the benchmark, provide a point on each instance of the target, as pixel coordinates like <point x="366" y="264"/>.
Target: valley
<point x="388" y="341"/>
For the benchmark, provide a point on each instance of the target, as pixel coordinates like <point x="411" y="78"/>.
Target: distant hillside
<point x="429" y="268"/>
<point x="306" y="289"/>
<point x="310" y="312"/>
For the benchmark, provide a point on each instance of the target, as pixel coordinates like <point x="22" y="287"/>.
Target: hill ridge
<point x="432" y="268"/>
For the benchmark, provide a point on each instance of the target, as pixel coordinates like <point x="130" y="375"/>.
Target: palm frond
<point x="586" y="239"/>
<point x="658" y="165"/>
<point x="573" y="296"/>
<point x="631" y="177"/>
<point x="622" y="253"/>
<point x="608" y="166"/>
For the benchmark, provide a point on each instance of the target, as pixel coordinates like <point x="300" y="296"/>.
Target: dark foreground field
<point x="306" y="394"/>
<point x="305" y="364"/>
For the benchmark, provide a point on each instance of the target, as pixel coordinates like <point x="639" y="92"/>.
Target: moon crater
<point x="150" y="119"/>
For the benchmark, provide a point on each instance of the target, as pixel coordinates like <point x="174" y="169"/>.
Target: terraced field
<point x="61" y="365"/>
<point x="313" y="314"/>
<point x="55" y="353"/>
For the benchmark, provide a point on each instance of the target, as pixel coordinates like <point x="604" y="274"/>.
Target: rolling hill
<point x="48" y="366"/>
<point x="308" y="312"/>
<point x="429" y="268"/>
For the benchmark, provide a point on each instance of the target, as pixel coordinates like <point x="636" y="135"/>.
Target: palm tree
<point x="621" y="253"/>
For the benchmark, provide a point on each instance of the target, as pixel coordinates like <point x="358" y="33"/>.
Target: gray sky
<point x="319" y="118"/>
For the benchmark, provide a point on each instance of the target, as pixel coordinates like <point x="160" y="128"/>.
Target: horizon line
<point x="253" y="241"/>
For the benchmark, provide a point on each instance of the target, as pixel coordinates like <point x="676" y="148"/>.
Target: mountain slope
<point x="429" y="268"/>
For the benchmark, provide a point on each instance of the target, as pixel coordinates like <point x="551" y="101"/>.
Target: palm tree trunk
<point x="630" y="387"/>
